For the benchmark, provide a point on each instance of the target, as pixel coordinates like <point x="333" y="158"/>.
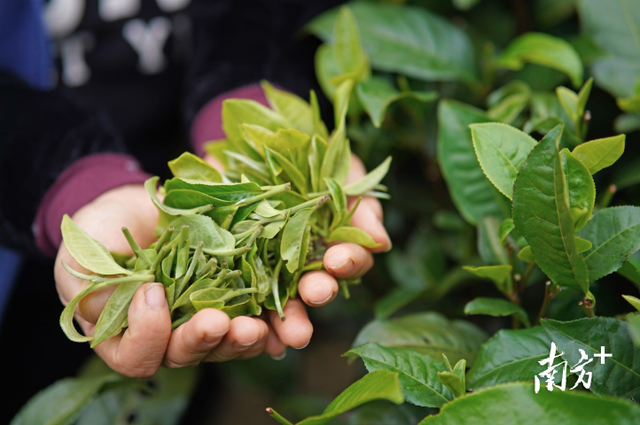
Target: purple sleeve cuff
<point x="207" y="125"/>
<point x="78" y="185"/>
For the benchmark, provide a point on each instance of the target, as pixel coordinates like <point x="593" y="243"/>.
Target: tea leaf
<point x="64" y="401"/>
<point x="615" y="235"/>
<point x="428" y="333"/>
<point x="242" y="111"/>
<point x="618" y="69"/>
<point x="88" y="252"/>
<point x="635" y="302"/>
<point x="600" y="153"/>
<point x="318" y="125"/>
<point x="291" y="107"/>
<point x="190" y="166"/>
<point x="542" y="216"/>
<point x="496" y="307"/>
<point x="510" y="356"/>
<point x="113" y="318"/>
<point x="202" y="228"/>
<point x="419" y="49"/>
<point x="417" y="372"/>
<point x="580" y="188"/>
<point x="353" y="235"/>
<point x="545" y="50"/>
<point x="368" y="182"/>
<point x="505" y="228"/>
<point x="517" y="403"/>
<point x="376" y="94"/>
<point x="474" y="196"/>
<point x="501" y="151"/>
<point x="618" y="375"/>
<point x="379" y="385"/>
<point x="292" y="236"/>
<point x="292" y="171"/>
<point x="500" y="275"/>
<point x="347" y="49"/>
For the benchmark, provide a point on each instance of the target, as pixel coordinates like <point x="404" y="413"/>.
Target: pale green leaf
<point x="600" y="153"/>
<point x="496" y="307"/>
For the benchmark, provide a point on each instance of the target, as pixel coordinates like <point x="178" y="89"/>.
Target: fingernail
<point x="281" y="356"/>
<point x="321" y="302"/>
<point x="244" y="346"/>
<point x="304" y="346"/>
<point x="155" y="297"/>
<point x="343" y="268"/>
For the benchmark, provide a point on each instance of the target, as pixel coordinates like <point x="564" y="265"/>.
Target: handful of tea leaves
<point x="237" y="241"/>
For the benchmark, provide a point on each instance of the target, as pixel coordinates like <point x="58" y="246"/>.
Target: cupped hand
<point x="209" y="336"/>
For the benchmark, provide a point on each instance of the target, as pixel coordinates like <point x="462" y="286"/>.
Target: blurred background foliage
<point x="458" y="52"/>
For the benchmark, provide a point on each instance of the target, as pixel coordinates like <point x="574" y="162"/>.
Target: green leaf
<point x="379" y="385"/>
<point x="580" y="188"/>
<point x="615" y="235"/>
<point x="63" y="402"/>
<point x="236" y="112"/>
<point x="501" y="151"/>
<point x="465" y="4"/>
<point x="489" y="246"/>
<point x="542" y="216"/>
<point x="500" y="275"/>
<point x="517" y="403"/>
<point x="619" y="374"/>
<point x="505" y="228"/>
<point x="368" y="182"/>
<point x="507" y="102"/>
<point x="190" y="166"/>
<point x="509" y="356"/>
<point x="291" y="169"/>
<point x="417" y="372"/>
<point x="496" y="307"/>
<point x="474" y="196"/>
<point x="394" y="300"/>
<point x="600" y="153"/>
<point x="88" y="252"/>
<point x="569" y="101"/>
<point x="377" y="93"/>
<point x="227" y="193"/>
<point x="203" y="207"/>
<point x="429" y="333"/>
<point x="526" y="254"/>
<point x="204" y="229"/>
<point x="318" y="125"/>
<point x="631" y="270"/>
<point x="454" y="378"/>
<point x="635" y="302"/>
<point x="292" y="236"/>
<point x="634" y="328"/>
<point x="113" y="318"/>
<point x="546" y="50"/>
<point x="353" y="235"/>
<point x="291" y="107"/>
<point x="347" y="49"/>
<point x="420" y="48"/>
<point x="614" y="25"/>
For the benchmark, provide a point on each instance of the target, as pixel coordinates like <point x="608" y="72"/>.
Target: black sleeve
<point x="240" y="42"/>
<point x="41" y="134"/>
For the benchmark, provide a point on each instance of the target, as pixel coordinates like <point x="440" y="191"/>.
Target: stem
<point x="236" y="293"/>
<point x="545" y="303"/>
<point x="271" y="191"/>
<point x="90" y="278"/>
<point x="182" y="320"/>
<point x="163" y="252"/>
<point x="163" y="238"/>
<point x="608" y="196"/>
<point x="275" y="415"/>
<point x="227" y="253"/>
<point x="130" y="279"/>
<point x="135" y="247"/>
<point x="345" y="288"/>
<point x="527" y="275"/>
<point x="315" y="202"/>
<point x="275" y="289"/>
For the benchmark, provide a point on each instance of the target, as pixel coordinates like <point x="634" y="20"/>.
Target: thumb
<point x="139" y="351"/>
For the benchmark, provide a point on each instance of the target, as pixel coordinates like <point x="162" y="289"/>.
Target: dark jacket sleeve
<point x="41" y="134"/>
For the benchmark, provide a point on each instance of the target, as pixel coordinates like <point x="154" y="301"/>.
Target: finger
<point x="347" y="260"/>
<point x="258" y="347"/>
<point x="139" y="351"/>
<point x="296" y="330"/>
<point x="317" y="288"/>
<point x="368" y="217"/>
<point x="214" y="162"/>
<point x="90" y="307"/>
<point x="356" y="170"/>
<point x="192" y="341"/>
<point x="274" y="347"/>
<point x="243" y="333"/>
